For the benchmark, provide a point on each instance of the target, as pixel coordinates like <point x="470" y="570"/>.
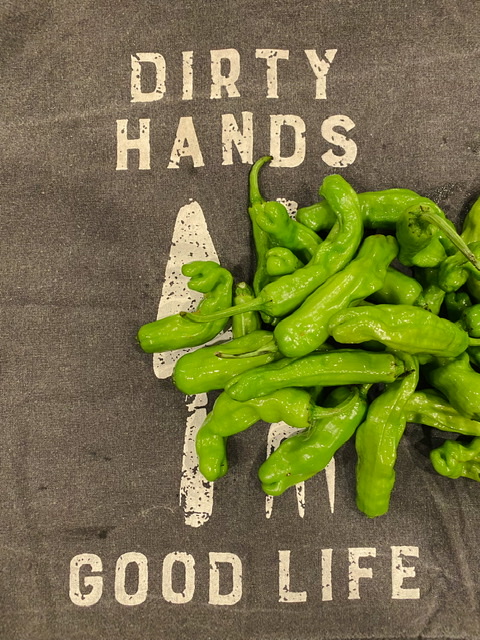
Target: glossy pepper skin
<point x="455" y="270"/>
<point x="244" y="323"/>
<point x="400" y="327"/>
<point x="281" y="261"/>
<point x="433" y="295"/>
<point x="377" y="440"/>
<point x="380" y="209"/>
<point x="177" y="331"/>
<point x="203" y="370"/>
<point x="458" y="382"/>
<point x="306" y="329"/>
<point x="285" y="294"/>
<point x="456" y="302"/>
<point x="283" y="231"/>
<point x="329" y="368"/>
<point x="454" y="460"/>
<point x="471" y="233"/>
<point x="261" y="238"/>
<point x="430" y="408"/>
<point x="303" y="455"/>
<point x="293" y="406"/>
<point x="420" y="241"/>
<point x="397" y="288"/>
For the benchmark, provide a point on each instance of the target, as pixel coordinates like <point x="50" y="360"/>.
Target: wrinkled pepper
<point x="204" y="370"/>
<point x="281" y="261"/>
<point x="177" y="331"/>
<point x="455" y="460"/>
<point x="295" y="407"/>
<point x="380" y="209"/>
<point x="458" y="382"/>
<point x="430" y="408"/>
<point x="457" y="269"/>
<point x="285" y="294"/>
<point x="306" y="328"/>
<point x="456" y="302"/>
<point x="303" y="455"/>
<point x="397" y="288"/>
<point x="377" y="440"/>
<point x="400" y="327"/>
<point x="328" y="368"/>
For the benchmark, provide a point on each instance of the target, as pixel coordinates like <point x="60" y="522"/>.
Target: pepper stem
<point x="474" y="342"/>
<point x="262" y="351"/>
<point x="252" y="305"/>
<point x="254" y="190"/>
<point x="452" y="235"/>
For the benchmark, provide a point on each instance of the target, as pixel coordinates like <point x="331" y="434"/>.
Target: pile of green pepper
<point x="363" y="315"/>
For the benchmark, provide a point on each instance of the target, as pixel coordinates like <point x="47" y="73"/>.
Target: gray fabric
<point x="92" y="440"/>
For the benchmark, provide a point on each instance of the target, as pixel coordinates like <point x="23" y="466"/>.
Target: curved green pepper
<point x="455" y="460"/>
<point x="428" y="407"/>
<point x="177" y="331"/>
<point x="306" y="329"/>
<point x="397" y="288"/>
<point x="377" y="442"/>
<point x="204" y="370"/>
<point x="281" y="261"/>
<point x="283" y="231"/>
<point x="293" y="406"/>
<point x="401" y="327"/>
<point x="458" y="382"/>
<point x="282" y="296"/>
<point x="329" y="368"/>
<point x="380" y="209"/>
<point x="457" y="269"/>
<point x="303" y="455"/>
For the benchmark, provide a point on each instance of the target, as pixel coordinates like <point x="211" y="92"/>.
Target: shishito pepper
<point x="283" y="231"/>
<point x="204" y="370"/>
<point x="303" y="455"/>
<point x="177" y="331"/>
<point x="401" y="327"/>
<point x="306" y="328"/>
<point x="281" y="261"/>
<point x="295" y="407"/>
<point x="455" y="460"/>
<point x="419" y="239"/>
<point x="430" y="408"/>
<point x="380" y="209"/>
<point x="244" y="323"/>
<point x="457" y="269"/>
<point x="397" y="288"/>
<point x="377" y="440"/>
<point x="458" y="382"/>
<point x="285" y="294"/>
<point x="456" y="302"/>
<point x="329" y="368"/>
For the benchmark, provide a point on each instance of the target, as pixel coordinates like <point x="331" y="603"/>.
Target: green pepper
<point x="328" y="368"/>
<point x="401" y="327"/>
<point x="380" y="209"/>
<point x="285" y="294"/>
<point x="303" y="455"/>
<point x="204" y="369"/>
<point x="397" y="288"/>
<point x="456" y="302"/>
<point x="433" y="295"/>
<point x="457" y="269"/>
<point x="261" y="238"/>
<point x="244" y="323"/>
<point x="471" y="233"/>
<point x="458" y="382"/>
<point x="306" y="329"/>
<point x="177" y="331"/>
<point x="419" y="239"/>
<point x="455" y="460"/>
<point x="283" y="231"/>
<point x="377" y="440"/>
<point x="281" y="261"/>
<point x="430" y="408"/>
<point x="293" y="406"/>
